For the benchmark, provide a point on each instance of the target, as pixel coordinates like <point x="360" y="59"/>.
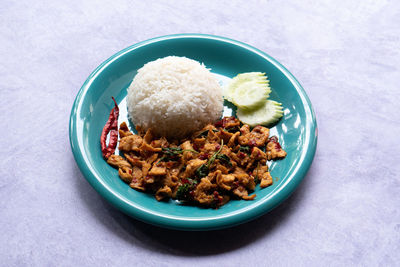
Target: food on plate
<point x="269" y="113"/>
<point x="249" y="92"/>
<point x="174" y="96"/>
<point x="221" y="161"/>
<point x="182" y="149"/>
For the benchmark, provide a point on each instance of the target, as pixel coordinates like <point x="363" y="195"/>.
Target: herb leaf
<point x="202" y="171"/>
<point x="172" y="151"/>
<point x="245" y="149"/>
<point x="182" y="191"/>
<point x="203" y="134"/>
<point x="211" y="160"/>
<point x="233" y="129"/>
<point x="224" y="158"/>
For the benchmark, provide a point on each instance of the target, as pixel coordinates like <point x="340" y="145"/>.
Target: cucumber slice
<point x="267" y="114"/>
<point x="248" y="90"/>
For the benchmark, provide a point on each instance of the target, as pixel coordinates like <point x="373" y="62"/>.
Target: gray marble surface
<point x="346" y="212"/>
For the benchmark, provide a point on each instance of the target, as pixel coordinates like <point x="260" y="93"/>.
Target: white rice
<point x="174" y="96"/>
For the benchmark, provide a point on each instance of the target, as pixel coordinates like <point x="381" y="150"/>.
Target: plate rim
<point x="275" y="198"/>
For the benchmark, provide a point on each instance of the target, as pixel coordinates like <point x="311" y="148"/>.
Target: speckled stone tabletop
<point x="345" y="213"/>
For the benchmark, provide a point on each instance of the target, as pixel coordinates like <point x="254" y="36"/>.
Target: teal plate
<point x="297" y="130"/>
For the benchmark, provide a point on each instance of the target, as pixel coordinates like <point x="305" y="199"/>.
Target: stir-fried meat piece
<point x="213" y="137"/>
<point x="274" y="151"/>
<point x="229" y="122"/>
<point x="140" y="131"/>
<point x="225" y="181"/>
<point x="148" y="180"/>
<point x="192" y="166"/>
<point x="145" y="148"/>
<point x="174" y="168"/>
<point x="137" y="173"/>
<point x="258" y="136"/>
<point x="256" y="155"/>
<point x="261" y="173"/>
<point x="222" y="168"/>
<point x="226" y="151"/>
<point x="249" y="197"/>
<point x="232" y="140"/>
<point x="218" y="162"/>
<point x="163" y="193"/>
<point x="130" y="143"/>
<point x="118" y="161"/>
<point x="148" y="136"/>
<point x="162" y="142"/>
<point x="212" y="176"/>
<point x="241" y="192"/>
<point x="198" y="143"/>
<point x="145" y="168"/>
<point x="241" y="158"/>
<point x="226" y="136"/>
<point x="187" y="145"/>
<point x="245" y="129"/>
<point x="133" y="159"/>
<point x="210" y="147"/>
<point x="244" y="138"/>
<point x="209" y="127"/>
<point x="203" y="192"/>
<point x="152" y="158"/>
<point x="126" y="174"/>
<point x="124" y="130"/>
<point x="157" y="171"/>
<point x="171" y="179"/>
<point x="137" y="179"/>
<point x="251" y="185"/>
<point x="244" y="178"/>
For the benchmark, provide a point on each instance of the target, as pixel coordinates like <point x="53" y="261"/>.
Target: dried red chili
<point x="111" y="128"/>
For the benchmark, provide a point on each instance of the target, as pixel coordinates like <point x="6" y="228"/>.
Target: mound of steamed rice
<point x="174" y="96"/>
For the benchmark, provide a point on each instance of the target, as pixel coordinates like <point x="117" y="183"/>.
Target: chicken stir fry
<point x="222" y="161"/>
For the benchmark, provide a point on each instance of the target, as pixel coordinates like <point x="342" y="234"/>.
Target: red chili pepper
<point x="252" y="142"/>
<point x="203" y="156"/>
<point x="242" y="155"/>
<point x="112" y="128"/>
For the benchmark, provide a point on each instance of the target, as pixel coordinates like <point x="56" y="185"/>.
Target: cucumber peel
<point x="270" y="112"/>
